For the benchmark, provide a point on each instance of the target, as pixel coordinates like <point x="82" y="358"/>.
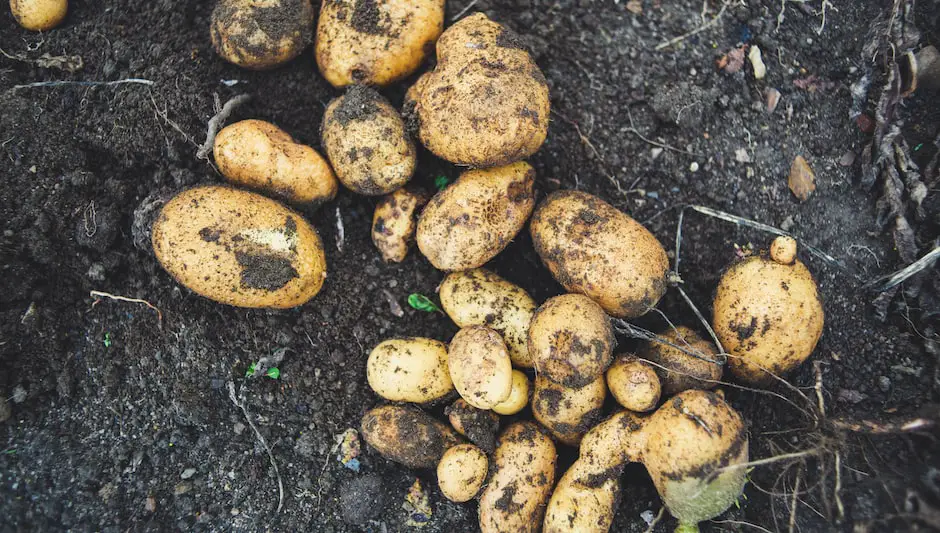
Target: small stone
<point x="741" y="155"/>
<point x="635" y="7"/>
<point x="188" y="473"/>
<point x="802" y="180"/>
<point x="865" y="123"/>
<point x="655" y="153"/>
<point x="787" y="224"/>
<point x="96" y="272"/>
<point x="19" y="394"/>
<point x="773" y="98"/>
<point x="239" y="428"/>
<point x="847" y="159"/>
<point x="151" y="504"/>
<point x="884" y="383"/>
<point x="760" y="70"/>
<point x="693" y="168"/>
<point x="851" y="396"/>
<point x="182" y="488"/>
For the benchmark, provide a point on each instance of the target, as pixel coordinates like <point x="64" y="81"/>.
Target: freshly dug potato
<point x="479" y="297"/>
<point x="474" y="218"/>
<point x="239" y="248"/>
<point x="39" y="15"/>
<point x="570" y="340"/>
<point x="684" y="371"/>
<point x="407" y="435"/>
<point x="634" y="384"/>
<point x="480" y="366"/>
<point x="365" y="139"/>
<point x="521" y="481"/>
<point x="594" y="249"/>
<point x="478" y="425"/>
<point x="768" y="316"/>
<point x="261" y="34"/>
<point x="411" y="98"/>
<point x="375" y="42"/>
<point x="394" y="221"/>
<point x="486" y="103"/>
<point x="568" y="413"/>
<point x="518" y="398"/>
<point x="461" y="472"/>
<point x="259" y="155"/>
<point x="410" y="370"/>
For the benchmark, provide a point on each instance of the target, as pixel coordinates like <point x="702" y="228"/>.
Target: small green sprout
<point x="9" y="451"/>
<point x="107" y="340"/>
<point x="441" y="181"/>
<point x="422" y="303"/>
<point x="272" y="372"/>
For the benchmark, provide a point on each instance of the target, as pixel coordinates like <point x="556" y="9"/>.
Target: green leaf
<point x="422" y="303"/>
<point x="107" y="340"/>
<point x="440" y="182"/>
<point x="273" y="373"/>
<point x="251" y="370"/>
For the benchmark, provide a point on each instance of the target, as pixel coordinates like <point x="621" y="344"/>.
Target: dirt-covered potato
<point x="474" y="218"/>
<point x="568" y="413"/>
<point x="480" y="366"/>
<point x="678" y="370"/>
<point x="518" y="398"/>
<point x="410" y="370"/>
<point x="634" y="384"/>
<point x="407" y="435"/>
<point x="461" y="472"/>
<point x="239" y="248"/>
<point x="594" y="249"/>
<point x="365" y="140"/>
<point x="39" y="15"/>
<point x="394" y="222"/>
<point x="479" y="297"/>
<point x="375" y="42"/>
<point x="411" y="98"/>
<point x="570" y="340"/>
<point x="261" y="34"/>
<point x="478" y="425"/>
<point x="259" y="155"/>
<point x="521" y="481"/>
<point x="768" y="316"/>
<point x="486" y="103"/>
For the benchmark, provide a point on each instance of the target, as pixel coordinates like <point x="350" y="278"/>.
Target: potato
<point x="239" y="248"/>
<point x="593" y="249"/>
<point x="486" y="103"/>
<point x="407" y="435"/>
<point x="259" y="155"/>
<point x="394" y="222"/>
<point x="521" y="481"/>
<point x="365" y="140"/>
<point x="478" y="425"/>
<point x="411" y="99"/>
<point x="678" y="370"/>
<point x="375" y="42"/>
<point x="634" y="384"/>
<point x="518" y="398"/>
<point x="480" y="366"/>
<point x="570" y="340"/>
<point x="461" y="472"/>
<point x="568" y="413"/>
<point x="410" y="370"/>
<point x="767" y="315"/>
<point x="39" y="15"/>
<point x="479" y="297"/>
<point x="261" y="34"/>
<point x="474" y="218"/>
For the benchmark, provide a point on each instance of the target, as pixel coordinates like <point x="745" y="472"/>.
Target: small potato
<point x="478" y="425"/>
<point x="634" y="384"/>
<point x="239" y="248"/>
<point x="410" y="370"/>
<point x="39" y="15"/>
<point x="259" y="155"/>
<point x="394" y="222"/>
<point x="365" y="139"/>
<point x="570" y="340"/>
<point x="480" y="366"/>
<point x="375" y="42"/>
<point x="684" y="371"/>
<point x="518" y="398"/>
<point x="261" y="34"/>
<point x="461" y="472"/>
<point x="479" y="297"/>
<point x="407" y="435"/>
<point x="594" y="249"/>
<point x="476" y="217"/>
<point x="568" y="413"/>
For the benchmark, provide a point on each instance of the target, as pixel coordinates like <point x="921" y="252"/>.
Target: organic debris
<point x="349" y="448"/>
<point x="802" y="180"/>
<point x="418" y="505"/>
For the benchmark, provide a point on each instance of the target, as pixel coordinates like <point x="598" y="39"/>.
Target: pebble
<point x="773" y="98"/>
<point x="757" y="62"/>
<point x="656" y="152"/>
<point x="802" y="180"/>
<point x="239" y="428"/>
<point x="693" y="168"/>
<point x="151" y="504"/>
<point x="188" y="473"/>
<point x="19" y="394"/>
<point x="182" y="488"/>
<point x="884" y="383"/>
<point x="96" y="272"/>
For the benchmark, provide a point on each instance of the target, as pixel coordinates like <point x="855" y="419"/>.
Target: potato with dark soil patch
<point x="478" y="425"/>
<point x="568" y="413"/>
<point x="680" y="370"/>
<point x="407" y="435"/>
<point x="394" y="223"/>
<point x="39" y="15"/>
<point x="261" y="34"/>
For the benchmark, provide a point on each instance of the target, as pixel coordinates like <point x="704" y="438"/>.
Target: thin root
<point x="239" y="401"/>
<point x="98" y="295"/>
<point x="215" y="123"/>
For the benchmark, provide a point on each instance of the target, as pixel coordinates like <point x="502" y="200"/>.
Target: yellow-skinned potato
<point x="570" y="340"/>
<point x="521" y="481"/>
<point x="239" y="248"/>
<point x="39" y="15"/>
<point x="768" y="316"/>
<point x="480" y="366"/>
<point x="486" y="103"/>
<point x="476" y="217"/>
<point x="634" y="384"/>
<point x="407" y="435"/>
<point x="479" y="297"/>
<point x="410" y="370"/>
<point x="412" y="95"/>
<point x="261" y="34"/>
<point x="678" y="370"/>
<point x="461" y="472"/>
<point x="394" y="222"/>
<point x="365" y="140"/>
<point x="518" y="397"/>
<point x="375" y="42"/>
<point x="568" y="413"/>
<point x="478" y="425"/>
<point x="594" y="249"/>
<point x="259" y="155"/>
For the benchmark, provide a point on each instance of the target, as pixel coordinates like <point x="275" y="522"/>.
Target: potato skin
<point x="375" y="42"/>
<point x="518" y="397"/>
<point x="261" y="34"/>
<point x="461" y="472"/>
<point x="478" y="425"/>
<point x="634" y="384"/>
<point x="683" y="371"/>
<point x="394" y="222"/>
<point x="410" y="370"/>
<point x="566" y="412"/>
<point x="39" y="15"/>
<point x="480" y="366"/>
<point x="407" y="435"/>
<point x="594" y="249"/>
<point x="239" y="248"/>
<point x="476" y="217"/>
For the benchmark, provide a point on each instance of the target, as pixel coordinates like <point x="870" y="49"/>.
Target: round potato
<point x="476" y="217"/>
<point x="410" y="370"/>
<point x="478" y="425"/>
<point x="570" y="340"/>
<point x="259" y="155"/>
<point x="678" y="370"/>
<point x="365" y="140"/>
<point x="518" y="398"/>
<point x="568" y="413"/>
<point x="593" y="249"/>
<point x="39" y="15"/>
<point x="407" y="435"/>
<point x="375" y="42"/>
<point x="634" y="384"/>
<point x="261" y="34"/>
<point x="480" y="366"/>
<point x="394" y="222"/>
<point x="486" y="103"/>
<point x="479" y="297"/>
<point x="461" y="472"/>
<point x="239" y="248"/>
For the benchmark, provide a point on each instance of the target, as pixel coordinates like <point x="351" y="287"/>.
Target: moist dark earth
<point x="114" y="419"/>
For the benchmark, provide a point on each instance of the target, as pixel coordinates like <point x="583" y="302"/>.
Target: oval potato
<point x="478" y="425"/>
<point x="679" y="371"/>
<point x="480" y="366"/>
<point x="39" y="15"/>
<point x="407" y="435"/>
<point x="394" y="222"/>
<point x="261" y="34"/>
<point x="410" y="370"/>
<point x="568" y="413"/>
<point x="518" y="397"/>
<point x="461" y="472"/>
<point x="634" y="384"/>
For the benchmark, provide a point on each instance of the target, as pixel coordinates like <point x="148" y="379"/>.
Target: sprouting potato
<point x="261" y="34"/>
<point x="39" y="15"/>
<point x="394" y="222"/>
<point x="634" y="384"/>
<point x="678" y="370"/>
<point x="478" y="425"/>
<point x="480" y="366"/>
<point x="518" y="397"/>
<point x="461" y="472"/>
<point x="407" y="435"/>
<point x="410" y="370"/>
<point x="568" y="413"/>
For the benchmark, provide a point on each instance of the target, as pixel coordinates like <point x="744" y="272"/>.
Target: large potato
<point x="261" y="34"/>
<point x="474" y="218"/>
<point x="239" y="248"/>
<point x="394" y="222"/>
<point x="678" y="370"/>
<point x="479" y="297"/>
<point x="375" y="42"/>
<point x="407" y="435"/>
<point x="480" y="366"/>
<point x="461" y="472"/>
<point x="39" y="15"/>
<point x="518" y="397"/>
<point x="593" y="249"/>
<point x="634" y="384"/>
<point x="410" y="370"/>
<point x="568" y="413"/>
<point x="478" y="425"/>
<point x="486" y="103"/>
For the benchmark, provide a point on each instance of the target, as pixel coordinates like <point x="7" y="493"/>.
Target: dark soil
<point x="120" y="422"/>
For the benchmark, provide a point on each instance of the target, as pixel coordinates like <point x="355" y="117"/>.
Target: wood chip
<point x="802" y="180"/>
